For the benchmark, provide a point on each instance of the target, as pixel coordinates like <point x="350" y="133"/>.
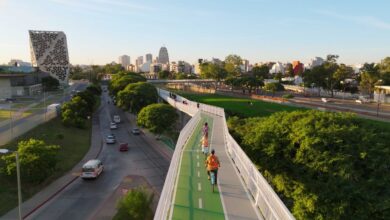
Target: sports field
<point x="194" y="198"/>
<point x="240" y="106"/>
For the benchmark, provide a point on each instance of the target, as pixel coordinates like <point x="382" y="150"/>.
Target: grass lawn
<point x="5" y="114"/>
<point x="74" y="145"/>
<point x="240" y="106"/>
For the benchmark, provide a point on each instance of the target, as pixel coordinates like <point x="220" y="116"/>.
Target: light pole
<point x="379" y="97"/>
<point x="5" y="151"/>
<point x="342" y="83"/>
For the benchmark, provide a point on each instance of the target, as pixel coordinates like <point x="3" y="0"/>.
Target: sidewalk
<point x="44" y="196"/>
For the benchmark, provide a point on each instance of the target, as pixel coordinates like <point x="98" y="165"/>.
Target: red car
<point x="124" y="147"/>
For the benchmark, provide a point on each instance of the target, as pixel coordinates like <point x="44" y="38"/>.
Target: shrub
<point x="135" y="205"/>
<point x="288" y="96"/>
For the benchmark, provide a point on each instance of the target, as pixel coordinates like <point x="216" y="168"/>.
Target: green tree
<point x="94" y="89"/>
<point x="122" y="79"/>
<point x="232" y="65"/>
<point x="37" y="160"/>
<point x="112" y="68"/>
<point x="273" y="87"/>
<point x="89" y="98"/>
<point x="342" y="73"/>
<point x="157" y="118"/>
<point x="251" y="82"/>
<point x="136" y="96"/>
<point x="323" y="165"/>
<point x="384" y="68"/>
<point x="212" y="71"/>
<point x="261" y="72"/>
<point x="135" y="205"/>
<point x="165" y="74"/>
<point x="75" y="112"/>
<point x="369" y="76"/>
<point x="50" y="84"/>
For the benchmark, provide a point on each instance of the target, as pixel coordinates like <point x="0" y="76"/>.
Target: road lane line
<point x="197" y="164"/>
<point x="199" y="187"/>
<point x="200" y="203"/>
<point x="198" y="174"/>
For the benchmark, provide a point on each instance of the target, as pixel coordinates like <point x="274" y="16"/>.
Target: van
<point x="92" y="169"/>
<point x="117" y="119"/>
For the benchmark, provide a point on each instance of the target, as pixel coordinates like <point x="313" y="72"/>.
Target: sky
<point x="99" y="31"/>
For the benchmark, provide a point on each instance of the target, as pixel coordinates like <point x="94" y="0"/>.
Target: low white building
<point x="382" y="94"/>
<point x="277" y="68"/>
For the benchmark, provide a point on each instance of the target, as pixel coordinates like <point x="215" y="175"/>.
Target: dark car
<point x="124" y="147"/>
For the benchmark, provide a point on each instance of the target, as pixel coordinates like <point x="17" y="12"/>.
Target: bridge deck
<point x="194" y="198"/>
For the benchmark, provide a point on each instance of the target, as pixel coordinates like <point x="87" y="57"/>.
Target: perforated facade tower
<point x="163" y="56"/>
<point x="49" y="52"/>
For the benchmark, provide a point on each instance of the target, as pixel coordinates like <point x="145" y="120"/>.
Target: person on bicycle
<point x="204" y="142"/>
<point x="212" y="164"/>
<point x="205" y="130"/>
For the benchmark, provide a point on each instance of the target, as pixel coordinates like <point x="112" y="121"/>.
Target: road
<point x="82" y="199"/>
<point x="6" y="127"/>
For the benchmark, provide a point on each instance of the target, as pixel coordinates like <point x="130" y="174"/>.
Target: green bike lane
<point x="194" y="198"/>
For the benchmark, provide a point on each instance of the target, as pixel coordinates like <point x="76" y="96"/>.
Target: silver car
<point x="110" y="139"/>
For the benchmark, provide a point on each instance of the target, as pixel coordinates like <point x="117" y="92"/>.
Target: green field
<point x="240" y="106"/>
<point x="74" y="145"/>
<point x="188" y="195"/>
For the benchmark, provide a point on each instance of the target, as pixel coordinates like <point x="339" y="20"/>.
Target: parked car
<point x="124" y="147"/>
<point x="110" y="139"/>
<point x="113" y="125"/>
<point x="135" y="131"/>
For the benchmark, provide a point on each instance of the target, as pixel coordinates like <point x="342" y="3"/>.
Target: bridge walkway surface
<point x="193" y="197"/>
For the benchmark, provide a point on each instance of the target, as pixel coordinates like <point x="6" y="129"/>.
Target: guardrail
<point x="263" y="195"/>
<point x="165" y="204"/>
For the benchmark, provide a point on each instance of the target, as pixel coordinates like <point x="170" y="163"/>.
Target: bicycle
<point x="212" y="179"/>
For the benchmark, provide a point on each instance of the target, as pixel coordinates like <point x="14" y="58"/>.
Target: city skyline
<point x="258" y="31"/>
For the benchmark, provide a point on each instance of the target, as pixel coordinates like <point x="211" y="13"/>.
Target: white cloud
<point x="364" y="20"/>
<point x="3" y="3"/>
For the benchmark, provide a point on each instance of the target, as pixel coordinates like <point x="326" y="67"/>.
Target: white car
<point x="110" y="139"/>
<point x="113" y="125"/>
<point x="117" y="119"/>
<point x="135" y="131"/>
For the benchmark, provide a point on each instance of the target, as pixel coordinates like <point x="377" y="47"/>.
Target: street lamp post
<point x="342" y="83"/>
<point x="379" y="97"/>
<point x="5" y="151"/>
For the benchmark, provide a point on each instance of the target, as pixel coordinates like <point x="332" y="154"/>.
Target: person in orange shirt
<point x="212" y="164"/>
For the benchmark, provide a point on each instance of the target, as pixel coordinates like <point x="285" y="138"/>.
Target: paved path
<point x="194" y="198"/>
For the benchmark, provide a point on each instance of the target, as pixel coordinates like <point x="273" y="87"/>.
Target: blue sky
<point x="98" y="31"/>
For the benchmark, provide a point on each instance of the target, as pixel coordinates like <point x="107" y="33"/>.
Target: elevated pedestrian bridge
<point x="242" y="191"/>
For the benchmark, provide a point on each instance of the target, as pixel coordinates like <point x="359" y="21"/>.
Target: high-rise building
<point x="124" y="60"/>
<point x="163" y="56"/>
<point x="49" y="52"/>
<point x="297" y="68"/>
<point x="149" y="58"/>
<point x="139" y="61"/>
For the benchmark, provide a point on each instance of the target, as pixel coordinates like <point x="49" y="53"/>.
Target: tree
<point x="289" y="71"/>
<point x="369" y="76"/>
<point x="212" y="71"/>
<point x="232" y="65"/>
<point x="251" y="82"/>
<point x="273" y="87"/>
<point x="136" y="96"/>
<point x="342" y="73"/>
<point x="157" y="118"/>
<point x="112" y="68"/>
<point x="75" y="112"/>
<point x="122" y="79"/>
<point x="37" y="160"/>
<point x="323" y="165"/>
<point x="89" y="98"/>
<point x="261" y="71"/>
<point x="50" y="84"/>
<point x="165" y="74"/>
<point x="94" y="89"/>
<point x="135" y="205"/>
<point x="384" y="68"/>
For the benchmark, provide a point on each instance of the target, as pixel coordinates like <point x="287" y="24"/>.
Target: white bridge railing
<point x="264" y="196"/>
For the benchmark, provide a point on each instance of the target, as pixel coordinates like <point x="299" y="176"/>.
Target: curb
<point x="67" y="184"/>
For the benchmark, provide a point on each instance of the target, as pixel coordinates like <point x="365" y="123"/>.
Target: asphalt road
<point x="82" y="199"/>
<point x="6" y="127"/>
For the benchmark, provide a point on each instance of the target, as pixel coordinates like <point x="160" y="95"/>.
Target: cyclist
<point x="205" y="145"/>
<point x="212" y="164"/>
<point x="205" y="130"/>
